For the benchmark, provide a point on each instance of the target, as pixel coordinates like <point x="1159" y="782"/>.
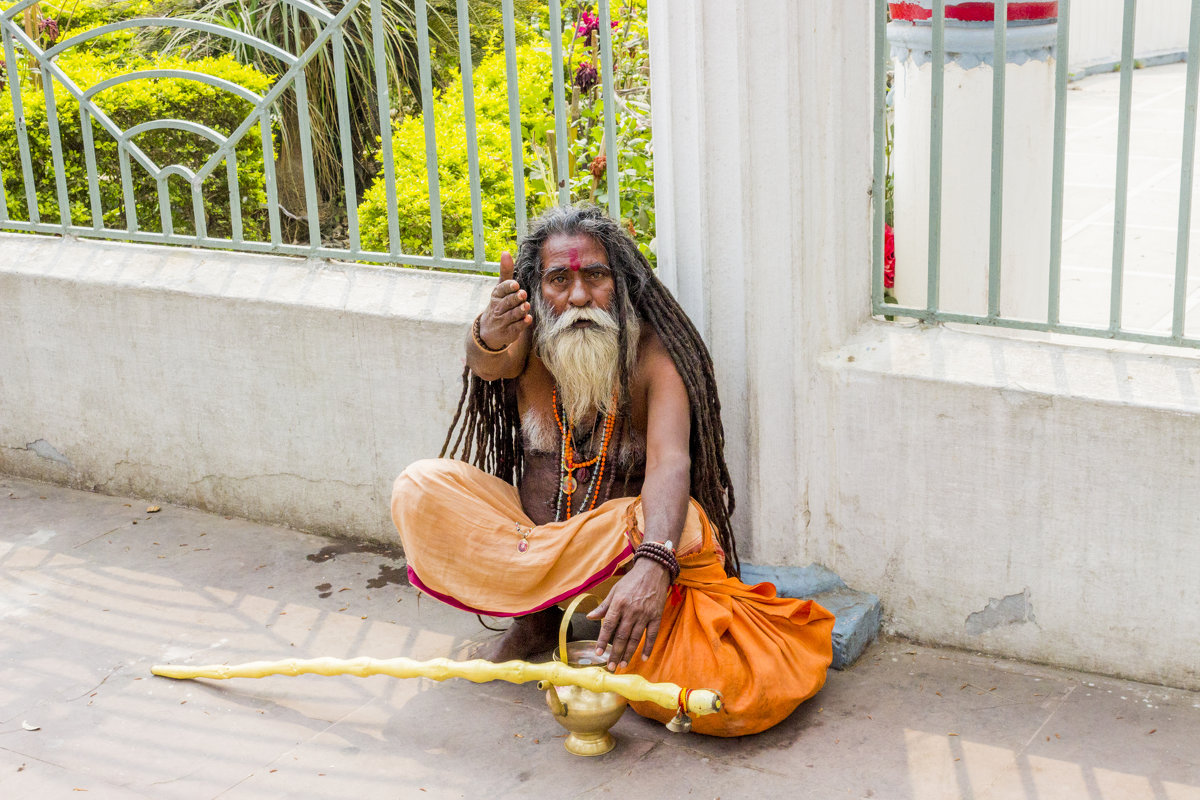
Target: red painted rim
<point x="976" y="11"/>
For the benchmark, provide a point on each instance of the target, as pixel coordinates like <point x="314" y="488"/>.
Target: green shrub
<point x="130" y="104"/>
<point x="495" y="164"/>
<point x="536" y="86"/>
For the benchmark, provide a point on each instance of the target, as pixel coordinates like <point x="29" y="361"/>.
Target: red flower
<point x="598" y="166"/>
<point x="889" y="257"/>
<point x="48" y="28"/>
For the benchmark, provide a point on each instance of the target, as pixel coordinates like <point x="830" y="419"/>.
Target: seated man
<point x="590" y="416"/>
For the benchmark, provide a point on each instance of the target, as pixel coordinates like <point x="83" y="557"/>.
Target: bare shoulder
<point x="534" y="384"/>
<point x="653" y="360"/>
<point x="661" y="401"/>
<point x="656" y="373"/>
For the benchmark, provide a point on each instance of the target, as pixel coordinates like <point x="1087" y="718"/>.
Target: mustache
<point x="563" y="322"/>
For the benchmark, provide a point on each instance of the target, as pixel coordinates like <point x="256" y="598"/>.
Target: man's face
<point x="575" y="274"/>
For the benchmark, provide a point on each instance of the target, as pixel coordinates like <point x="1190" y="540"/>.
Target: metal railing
<point x="26" y="59"/>
<point x="1172" y="328"/>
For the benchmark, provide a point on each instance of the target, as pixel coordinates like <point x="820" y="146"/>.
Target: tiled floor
<point x="1156" y="136"/>
<point x="94" y="590"/>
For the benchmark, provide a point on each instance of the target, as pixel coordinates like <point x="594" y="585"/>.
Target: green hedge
<point x="495" y="163"/>
<point x="130" y="104"/>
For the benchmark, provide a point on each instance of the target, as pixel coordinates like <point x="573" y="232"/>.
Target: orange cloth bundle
<point x="462" y="531"/>
<point x="765" y="654"/>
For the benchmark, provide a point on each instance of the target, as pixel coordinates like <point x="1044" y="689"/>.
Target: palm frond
<point x="283" y="25"/>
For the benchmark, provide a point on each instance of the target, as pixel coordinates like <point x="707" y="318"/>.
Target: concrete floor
<point x="94" y="590"/>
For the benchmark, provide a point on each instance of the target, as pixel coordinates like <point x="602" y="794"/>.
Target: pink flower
<point x="889" y="257"/>
<point x="48" y="28"/>
<point x="589" y="23"/>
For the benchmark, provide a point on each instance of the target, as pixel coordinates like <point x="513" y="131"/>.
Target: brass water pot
<point x="586" y="714"/>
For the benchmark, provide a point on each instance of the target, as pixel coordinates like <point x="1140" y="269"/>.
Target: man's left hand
<point x="633" y="607"/>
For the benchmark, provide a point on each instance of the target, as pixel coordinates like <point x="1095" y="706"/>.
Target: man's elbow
<point x="673" y="465"/>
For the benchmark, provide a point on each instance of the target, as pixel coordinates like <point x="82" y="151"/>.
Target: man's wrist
<point x="661" y="553"/>
<point x="477" y="337"/>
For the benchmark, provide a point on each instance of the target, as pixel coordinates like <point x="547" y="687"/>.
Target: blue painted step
<point x="858" y="615"/>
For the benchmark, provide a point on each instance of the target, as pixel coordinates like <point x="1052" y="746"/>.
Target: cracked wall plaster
<point x="46" y="450"/>
<point x="1015" y="609"/>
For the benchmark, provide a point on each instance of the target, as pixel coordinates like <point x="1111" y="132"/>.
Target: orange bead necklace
<point x="568" y="483"/>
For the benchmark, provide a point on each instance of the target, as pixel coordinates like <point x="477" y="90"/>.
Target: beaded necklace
<point x="571" y="471"/>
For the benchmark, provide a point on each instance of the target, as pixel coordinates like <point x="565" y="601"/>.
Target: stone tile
<point x="1081" y="201"/>
<point x="1147" y="250"/>
<point x="1153" y="203"/>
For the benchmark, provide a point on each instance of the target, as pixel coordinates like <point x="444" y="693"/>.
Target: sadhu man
<point x="591" y="449"/>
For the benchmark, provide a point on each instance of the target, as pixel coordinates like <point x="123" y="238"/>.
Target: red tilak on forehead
<point x="575" y="262"/>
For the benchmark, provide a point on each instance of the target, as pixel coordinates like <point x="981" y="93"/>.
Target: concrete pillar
<point x="762" y="134"/>
<point x="967" y="155"/>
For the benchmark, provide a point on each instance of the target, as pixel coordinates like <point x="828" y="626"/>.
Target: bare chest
<point x="548" y="486"/>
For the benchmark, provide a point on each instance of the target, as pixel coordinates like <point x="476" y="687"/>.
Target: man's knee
<point x="412" y="484"/>
<point x="419" y="473"/>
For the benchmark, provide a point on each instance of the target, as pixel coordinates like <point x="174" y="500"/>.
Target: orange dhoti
<point x="469" y="543"/>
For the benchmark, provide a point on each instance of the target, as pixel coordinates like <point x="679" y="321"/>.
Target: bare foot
<point x="533" y="633"/>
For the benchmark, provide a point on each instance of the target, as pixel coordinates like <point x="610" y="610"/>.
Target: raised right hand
<point x="507" y="315"/>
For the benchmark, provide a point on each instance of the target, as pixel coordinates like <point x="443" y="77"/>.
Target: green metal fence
<point x="1177" y="332"/>
<point x="320" y="32"/>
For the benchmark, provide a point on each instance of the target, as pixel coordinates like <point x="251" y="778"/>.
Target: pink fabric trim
<point x="599" y="577"/>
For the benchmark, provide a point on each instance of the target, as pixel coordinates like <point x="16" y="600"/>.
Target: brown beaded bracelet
<point x="663" y="548"/>
<point x="656" y="558"/>
<point x="661" y="555"/>
<point x="479" y="342"/>
<point x="670" y="554"/>
<point x="672" y="570"/>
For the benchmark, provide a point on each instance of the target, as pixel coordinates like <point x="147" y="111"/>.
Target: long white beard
<point x="585" y="362"/>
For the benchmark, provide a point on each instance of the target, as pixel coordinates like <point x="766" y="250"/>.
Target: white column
<point x="762" y="133"/>
<point x="967" y="165"/>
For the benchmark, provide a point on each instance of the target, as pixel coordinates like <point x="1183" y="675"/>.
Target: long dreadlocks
<point x="489" y="433"/>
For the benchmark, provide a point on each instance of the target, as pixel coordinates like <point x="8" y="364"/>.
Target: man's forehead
<point x="564" y="251"/>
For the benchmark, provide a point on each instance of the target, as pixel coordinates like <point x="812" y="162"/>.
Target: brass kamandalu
<point x="586" y="714"/>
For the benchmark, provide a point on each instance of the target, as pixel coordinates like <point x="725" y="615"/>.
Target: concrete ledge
<point x="858" y="616"/>
<point x="801" y="582"/>
<point x="264" y="387"/>
<point x="1123" y="374"/>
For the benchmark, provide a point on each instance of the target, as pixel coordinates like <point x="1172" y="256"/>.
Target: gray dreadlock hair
<point x="489" y="433"/>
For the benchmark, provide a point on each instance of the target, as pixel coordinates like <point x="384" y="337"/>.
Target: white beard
<point x="585" y="362"/>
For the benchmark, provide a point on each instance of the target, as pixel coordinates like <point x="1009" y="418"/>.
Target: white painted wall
<point x="768" y="197"/>
<point x="262" y="387"/>
<point x="971" y="468"/>
<point x="943" y="471"/>
<point x="966" y="186"/>
<point x="1160" y="27"/>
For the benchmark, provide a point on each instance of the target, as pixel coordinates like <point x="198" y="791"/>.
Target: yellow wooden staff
<point x="597" y="679"/>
